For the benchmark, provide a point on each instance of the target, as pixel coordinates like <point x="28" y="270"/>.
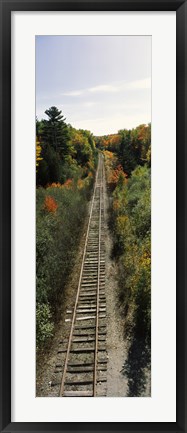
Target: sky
<point x="100" y="83"/>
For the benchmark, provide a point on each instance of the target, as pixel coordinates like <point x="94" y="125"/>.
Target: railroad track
<point x="83" y="367"/>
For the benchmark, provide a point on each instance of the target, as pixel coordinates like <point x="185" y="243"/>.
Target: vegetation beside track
<point x="127" y="160"/>
<point x="66" y="161"/>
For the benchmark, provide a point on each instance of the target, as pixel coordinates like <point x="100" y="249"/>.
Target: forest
<point x="128" y="166"/>
<point x="66" y="161"/>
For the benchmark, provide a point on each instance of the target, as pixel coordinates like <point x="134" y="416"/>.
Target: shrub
<point x="61" y="211"/>
<point x="132" y="227"/>
<point x="50" y="205"/>
<point x="44" y="325"/>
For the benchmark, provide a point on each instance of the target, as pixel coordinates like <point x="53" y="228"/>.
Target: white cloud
<point x="103" y="88"/>
<point x="125" y="85"/>
<point x="140" y="84"/>
<point x="124" y="104"/>
<point x="73" y="93"/>
<point x="113" y="87"/>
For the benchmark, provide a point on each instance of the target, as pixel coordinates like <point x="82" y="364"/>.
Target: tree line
<point x="63" y="151"/>
<point x="132" y="146"/>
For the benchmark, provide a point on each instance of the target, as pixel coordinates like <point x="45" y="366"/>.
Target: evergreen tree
<point x="126" y="154"/>
<point x="55" y="131"/>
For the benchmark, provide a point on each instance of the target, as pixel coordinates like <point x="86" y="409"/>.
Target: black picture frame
<point x="6" y="7"/>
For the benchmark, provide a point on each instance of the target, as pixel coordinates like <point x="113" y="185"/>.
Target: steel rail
<point x="97" y="302"/>
<point x="103" y="176"/>
<point x="78" y="290"/>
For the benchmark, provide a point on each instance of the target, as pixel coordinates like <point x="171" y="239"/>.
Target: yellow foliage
<point x="116" y="204"/>
<point x="122" y="222"/>
<point x="38" y="153"/>
<point x="108" y="154"/>
<point x="90" y="165"/>
<point x="80" y="184"/>
<point x="145" y="260"/>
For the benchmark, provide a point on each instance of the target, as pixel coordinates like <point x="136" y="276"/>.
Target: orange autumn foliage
<point x="113" y="140"/>
<point x="67" y="184"/>
<point x="142" y="132"/>
<point x="55" y="185"/>
<point x="50" y="204"/>
<point x="115" y="175"/>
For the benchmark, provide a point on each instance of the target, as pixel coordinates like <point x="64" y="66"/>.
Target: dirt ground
<point x="116" y="346"/>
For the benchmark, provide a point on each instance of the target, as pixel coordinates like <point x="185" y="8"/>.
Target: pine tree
<point x="126" y="154"/>
<point x="55" y="131"/>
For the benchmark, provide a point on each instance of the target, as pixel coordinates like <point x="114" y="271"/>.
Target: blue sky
<point x="101" y="83"/>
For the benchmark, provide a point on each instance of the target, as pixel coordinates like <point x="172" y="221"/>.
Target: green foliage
<point x="82" y="147"/>
<point x="58" y="231"/>
<point x="65" y="152"/>
<point x="44" y="325"/>
<point x="139" y="201"/>
<point x="132" y="217"/>
<point x="55" y="131"/>
<point x="135" y="147"/>
<point x="126" y="152"/>
<point x="132" y="147"/>
<point x="66" y="171"/>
